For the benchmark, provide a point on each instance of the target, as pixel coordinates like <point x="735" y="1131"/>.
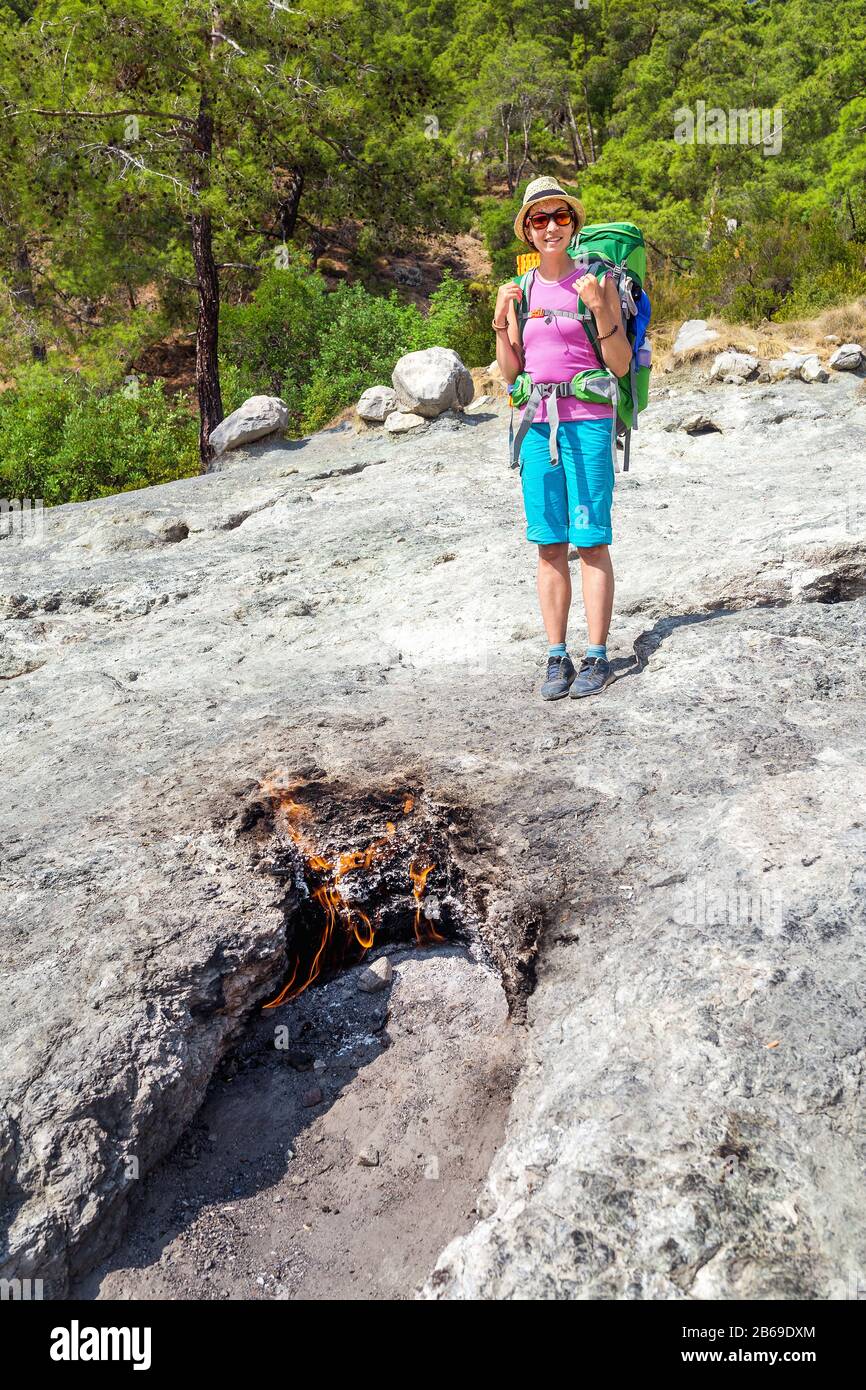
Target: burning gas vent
<point x="359" y="871"/>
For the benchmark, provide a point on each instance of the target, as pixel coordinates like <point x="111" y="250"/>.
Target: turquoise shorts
<point x="569" y="500"/>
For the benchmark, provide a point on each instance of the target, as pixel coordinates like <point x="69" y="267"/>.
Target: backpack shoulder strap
<point x="600" y="266"/>
<point x="525" y="281"/>
<point x="521" y="310"/>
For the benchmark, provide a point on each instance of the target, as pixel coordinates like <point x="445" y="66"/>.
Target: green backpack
<point x="606" y="248"/>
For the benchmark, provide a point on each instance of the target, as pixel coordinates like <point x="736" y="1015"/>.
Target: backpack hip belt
<point x="603" y="387"/>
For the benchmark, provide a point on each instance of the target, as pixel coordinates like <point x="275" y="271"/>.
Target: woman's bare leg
<point x="554" y="590"/>
<point x="596" y="578"/>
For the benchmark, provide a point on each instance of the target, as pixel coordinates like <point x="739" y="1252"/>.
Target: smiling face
<point x="551" y="237"/>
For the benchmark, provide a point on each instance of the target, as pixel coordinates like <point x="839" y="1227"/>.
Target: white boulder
<point x="847" y="358"/>
<point x="432" y="380"/>
<point x="812" y="370"/>
<point x="787" y="366"/>
<point x="735" y="367"/>
<point x="694" y="333"/>
<point x="400" y="421"/>
<point x="258" y="416"/>
<point x="376" y="404"/>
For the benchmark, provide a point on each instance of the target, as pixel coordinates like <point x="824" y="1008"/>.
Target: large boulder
<point x="847" y="358"/>
<point x="432" y="380"/>
<point x="257" y="417"/>
<point x="694" y="333"/>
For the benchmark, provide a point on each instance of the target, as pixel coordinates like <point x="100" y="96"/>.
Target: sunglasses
<point x="562" y="217"/>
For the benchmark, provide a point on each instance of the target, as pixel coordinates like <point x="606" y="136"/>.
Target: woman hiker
<point x="567" y="500"/>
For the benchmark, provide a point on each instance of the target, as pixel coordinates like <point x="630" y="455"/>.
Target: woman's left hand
<point x="590" y="291"/>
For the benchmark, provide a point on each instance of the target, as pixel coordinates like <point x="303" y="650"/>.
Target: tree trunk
<point x="589" y="126"/>
<point x="711" y="215"/>
<point x="24" y="294"/>
<point x="287" y="211"/>
<point x="207" y="377"/>
<point x="525" y="160"/>
<point x="576" y="142"/>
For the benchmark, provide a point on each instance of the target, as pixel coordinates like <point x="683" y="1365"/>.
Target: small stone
<point x="734" y="367"/>
<point x="401" y="421"/>
<point x="376" y="976"/>
<point x="297" y="1180"/>
<point x="377" y="403"/>
<point x="812" y="370"/>
<point x="312" y="1097"/>
<point x="368" y="1158"/>
<point x="785" y="367"/>
<point x="847" y="358"/>
<point x="319" y="1065"/>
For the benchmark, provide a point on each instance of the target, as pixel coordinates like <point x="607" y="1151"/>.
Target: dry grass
<point x="847" y="322"/>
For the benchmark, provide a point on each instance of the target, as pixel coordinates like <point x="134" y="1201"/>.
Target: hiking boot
<point x="592" y="677"/>
<point x="560" y="674"/>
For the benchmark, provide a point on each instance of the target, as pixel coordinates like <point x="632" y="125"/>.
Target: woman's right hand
<point x="508" y="293"/>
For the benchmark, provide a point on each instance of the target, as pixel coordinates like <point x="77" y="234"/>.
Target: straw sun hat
<point x="536" y="192"/>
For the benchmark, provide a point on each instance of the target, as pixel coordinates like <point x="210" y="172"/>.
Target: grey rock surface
<point x="257" y="417"/>
<point x="689" y="1120"/>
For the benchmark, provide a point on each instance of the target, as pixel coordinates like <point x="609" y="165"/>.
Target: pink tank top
<point x="555" y="351"/>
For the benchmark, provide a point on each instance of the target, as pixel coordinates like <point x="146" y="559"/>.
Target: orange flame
<point x="365" y="938"/>
<point x="285" y="992"/>
<point x="328" y="896"/>
<point x="419" y="881"/>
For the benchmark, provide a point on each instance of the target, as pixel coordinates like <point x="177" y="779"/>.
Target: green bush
<point x="770" y="267"/>
<point x="237" y="383"/>
<point x="459" y="318"/>
<point x="64" y="441"/>
<point x="366" y="334"/>
<point x="274" y="337"/>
